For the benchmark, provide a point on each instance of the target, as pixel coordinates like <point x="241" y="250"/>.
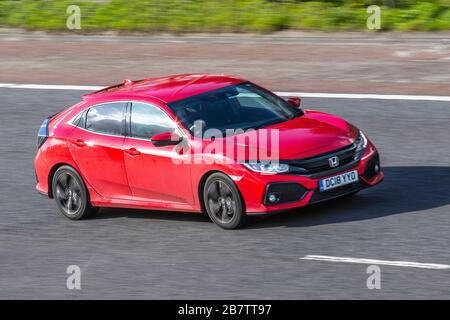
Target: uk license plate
<point x="338" y="180"/>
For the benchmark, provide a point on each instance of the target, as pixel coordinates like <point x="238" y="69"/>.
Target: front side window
<point x="106" y="118"/>
<point x="148" y="120"/>
<point x="241" y="106"/>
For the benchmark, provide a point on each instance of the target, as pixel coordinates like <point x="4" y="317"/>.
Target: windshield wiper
<point x="261" y="126"/>
<point x="298" y="113"/>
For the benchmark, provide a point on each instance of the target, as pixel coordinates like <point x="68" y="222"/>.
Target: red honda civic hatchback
<point x="198" y="143"/>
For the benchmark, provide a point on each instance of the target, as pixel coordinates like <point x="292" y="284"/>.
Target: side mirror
<point x="295" y="102"/>
<point x="166" y="139"/>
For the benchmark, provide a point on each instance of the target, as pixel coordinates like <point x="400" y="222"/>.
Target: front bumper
<point x="254" y="187"/>
<point x="337" y="192"/>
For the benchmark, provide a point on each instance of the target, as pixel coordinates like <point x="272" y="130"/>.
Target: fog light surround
<point x="373" y="167"/>
<point x="283" y="192"/>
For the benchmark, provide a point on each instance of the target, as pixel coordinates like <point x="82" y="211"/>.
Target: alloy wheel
<point x="221" y="201"/>
<point x="68" y="193"/>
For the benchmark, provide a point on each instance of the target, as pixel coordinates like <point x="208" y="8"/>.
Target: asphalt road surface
<point x="163" y="255"/>
<point x="355" y="62"/>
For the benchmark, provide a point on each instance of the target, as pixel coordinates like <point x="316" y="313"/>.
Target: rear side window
<point x="106" y="118"/>
<point x="80" y="120"/>
<point x="147" y="120"/>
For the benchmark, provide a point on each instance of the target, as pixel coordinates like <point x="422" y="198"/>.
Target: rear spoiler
<point x="125" y="82"/>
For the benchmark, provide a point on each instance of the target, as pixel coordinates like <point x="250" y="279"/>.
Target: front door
<point x="155" y="174"/>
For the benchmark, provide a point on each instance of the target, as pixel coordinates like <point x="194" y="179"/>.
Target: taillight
<point x="43" y="133"/>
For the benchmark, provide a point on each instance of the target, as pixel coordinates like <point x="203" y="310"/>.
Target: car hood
<point x="309" y="135"/>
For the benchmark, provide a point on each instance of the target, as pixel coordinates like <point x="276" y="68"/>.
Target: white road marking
<point x="280" y="93"/>
<point x="364" y="96"/>
<point x="377" y="262"/>
<point x="48" y="86"/>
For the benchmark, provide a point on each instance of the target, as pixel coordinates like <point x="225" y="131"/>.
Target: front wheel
<point x="69" y="191"/>
<point x="223" y="202"/>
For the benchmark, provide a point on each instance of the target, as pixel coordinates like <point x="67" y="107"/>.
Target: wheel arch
<point x="201" y="185"/>
<point x="52" y="173"/>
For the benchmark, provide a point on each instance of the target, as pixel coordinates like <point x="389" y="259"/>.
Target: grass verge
<point x="225" y="15"/>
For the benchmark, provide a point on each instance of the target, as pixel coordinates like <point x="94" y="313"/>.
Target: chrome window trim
<point x="176" y="126"/>
<point x="100" y="133"/>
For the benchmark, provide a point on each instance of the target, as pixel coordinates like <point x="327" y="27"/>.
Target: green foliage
<point x="226" y="15"/>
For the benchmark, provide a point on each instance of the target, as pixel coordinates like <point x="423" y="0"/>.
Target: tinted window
<point x="106" y="118"/>
<point x="147" y="120"/>
<point x="80" y="120"/>
<point x="240" y="106"/>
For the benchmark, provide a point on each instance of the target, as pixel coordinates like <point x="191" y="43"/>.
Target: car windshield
<point x="241" y="106"/>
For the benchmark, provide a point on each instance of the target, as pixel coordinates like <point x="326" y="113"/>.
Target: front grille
<point x="337" y="192"/>
<point x="319" y="166"/>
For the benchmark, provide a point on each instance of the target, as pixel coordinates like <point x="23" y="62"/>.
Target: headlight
<point x="361" y="144"/>
<point x="267" y="167"/>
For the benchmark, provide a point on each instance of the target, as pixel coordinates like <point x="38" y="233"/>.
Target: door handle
<point x="133" y="152"/>
<point x="79" y="142"/>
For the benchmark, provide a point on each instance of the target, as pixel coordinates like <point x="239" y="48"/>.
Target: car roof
<point x="166" y="89"/>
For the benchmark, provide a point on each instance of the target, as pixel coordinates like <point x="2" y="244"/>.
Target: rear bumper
<point x="256" y="200"/>
<point x="41" y="170"/>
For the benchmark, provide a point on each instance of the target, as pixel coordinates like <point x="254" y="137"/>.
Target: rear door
<point x="96" y="145"/>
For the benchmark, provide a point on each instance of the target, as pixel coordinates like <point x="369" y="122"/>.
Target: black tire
<point x="223" y="202"/>
<point x="70" y="194"/>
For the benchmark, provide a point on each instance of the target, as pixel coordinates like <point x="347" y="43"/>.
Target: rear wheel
<point x="223" y="202"/>
<point x="71" y="196"/>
